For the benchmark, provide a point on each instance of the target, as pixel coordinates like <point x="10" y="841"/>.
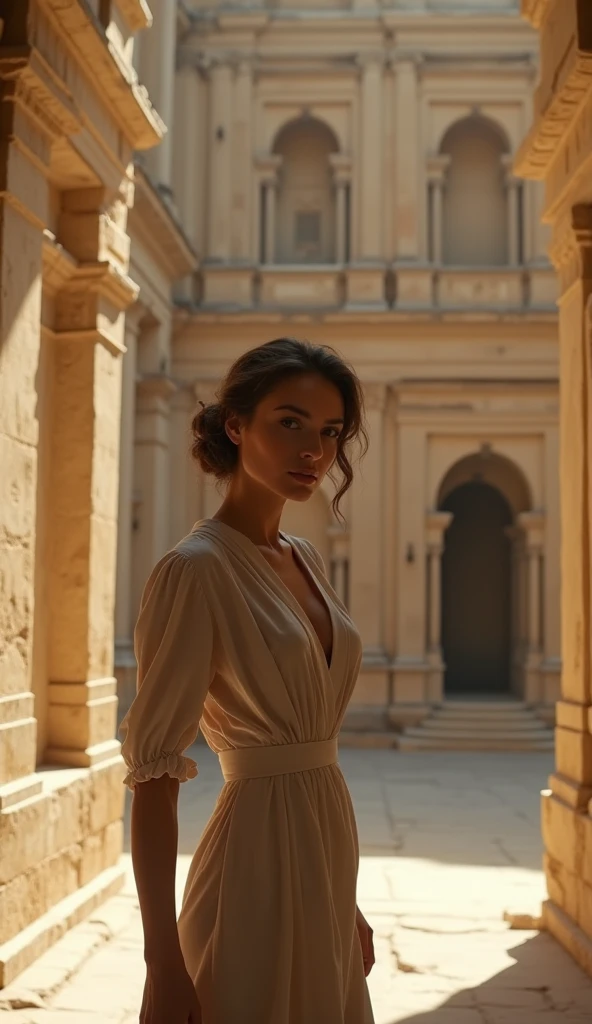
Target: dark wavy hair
<point x="251" y="377"/>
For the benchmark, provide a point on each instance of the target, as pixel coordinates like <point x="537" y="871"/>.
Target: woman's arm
<point x="154" y="833"/>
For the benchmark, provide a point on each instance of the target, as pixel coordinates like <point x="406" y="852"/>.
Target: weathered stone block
<point x="32" y="893"/>
<point x="563" y="832"/>
<point x="18" y="749"/>
<point x="101" y="851"/>
<point x="573" y="754"/>
<point x="108" y="794"/>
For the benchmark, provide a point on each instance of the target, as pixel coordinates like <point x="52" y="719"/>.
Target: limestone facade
<point x="73" y="114"/>
<point x="345" y="174"/>
<point x="558" y="152"/>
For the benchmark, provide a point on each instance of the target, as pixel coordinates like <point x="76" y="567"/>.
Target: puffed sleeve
<point x="173" y="643"/>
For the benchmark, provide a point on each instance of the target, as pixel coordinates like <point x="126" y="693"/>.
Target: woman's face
<point x="291" y="441"/>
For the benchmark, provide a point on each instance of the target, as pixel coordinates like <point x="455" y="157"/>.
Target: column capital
<point x="267" y="166"/>
<point x="533" y="526"/>
<point x="375" y="395"/>
<point x="398" y="59"/>
<point x="437" y="168"/>
<point x="373" y="60"/>
<point x="341" y="165"/>
<point x="437" y="522"/>
<point x="156" y="386"/>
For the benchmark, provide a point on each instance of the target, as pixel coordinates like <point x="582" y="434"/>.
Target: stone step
<point x="483" y="724"/>
<point x="474" y="707"/>
<point x="462" y="733"/>
<point x="424" y="743"/>
<point x="368" y="740"/>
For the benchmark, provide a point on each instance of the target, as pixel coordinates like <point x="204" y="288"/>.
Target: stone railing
<point x="374" y="286"/>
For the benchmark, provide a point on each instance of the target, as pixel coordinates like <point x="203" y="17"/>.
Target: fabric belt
<point x="279" y="759"/>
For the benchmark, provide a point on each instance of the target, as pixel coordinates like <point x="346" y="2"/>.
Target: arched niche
<point x="305" y="217"/>
<point x="493" y="469"/>
<point x="475" y="220"/>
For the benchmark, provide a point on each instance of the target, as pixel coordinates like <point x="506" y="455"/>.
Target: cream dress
<point x="267" y="924"/>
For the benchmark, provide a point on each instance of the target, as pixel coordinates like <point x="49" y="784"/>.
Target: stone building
<point x="558" y="151"/>
<point x="73" y="114"/>
<point x="346" y="174"/>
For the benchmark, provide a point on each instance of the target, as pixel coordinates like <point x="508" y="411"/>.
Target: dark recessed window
<point x="308" y="232"/>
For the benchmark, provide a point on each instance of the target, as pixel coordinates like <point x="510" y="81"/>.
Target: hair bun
<point x="212" y="448"/>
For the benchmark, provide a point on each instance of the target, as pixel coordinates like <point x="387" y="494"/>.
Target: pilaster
<point x="220" y="147"/>
<point x="89" y="338"/>
<point x="369" y="212"/>
<point x="408" y="178"/>
<point x="366" y="554"/>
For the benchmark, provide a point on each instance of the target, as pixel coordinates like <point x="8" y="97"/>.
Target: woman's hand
<point x="366" y="941"/>
<point x="169" y="995"/>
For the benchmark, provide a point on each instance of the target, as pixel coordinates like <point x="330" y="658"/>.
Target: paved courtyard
<point x="449" y="842"/>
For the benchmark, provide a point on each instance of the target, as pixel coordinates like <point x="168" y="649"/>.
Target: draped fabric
<point x="267" y="924"/>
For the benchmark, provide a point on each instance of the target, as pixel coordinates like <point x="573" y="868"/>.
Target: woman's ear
<point x="232" y="428"/>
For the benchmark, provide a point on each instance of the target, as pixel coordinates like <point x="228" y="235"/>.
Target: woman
<point x="241" y="634"/>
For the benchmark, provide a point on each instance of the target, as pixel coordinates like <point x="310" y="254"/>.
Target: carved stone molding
<point x="375" y="395"/>
<point x="155" y="388"/>
<point x="571" y="248"/>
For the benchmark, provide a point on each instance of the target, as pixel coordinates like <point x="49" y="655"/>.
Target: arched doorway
<point x="305" y="221"/>
<point x="476" y="591"/>
<point x="483" y="585"/>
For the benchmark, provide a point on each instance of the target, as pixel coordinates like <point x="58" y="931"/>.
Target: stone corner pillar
<point x="436" y="525"/>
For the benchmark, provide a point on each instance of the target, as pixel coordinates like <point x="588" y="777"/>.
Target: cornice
<point x="28" y="80"/>
<point x="152" y="225"/>
<point x="58" y="265"/>
<point x="136" y="13"/>
<point x="115" y="81"/>
<point x="104" y="279"/>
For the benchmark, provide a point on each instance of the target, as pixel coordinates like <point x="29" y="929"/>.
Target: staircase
<point x="481" y="726"/>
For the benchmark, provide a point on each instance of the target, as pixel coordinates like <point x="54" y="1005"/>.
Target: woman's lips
<point x="304" y="478"/>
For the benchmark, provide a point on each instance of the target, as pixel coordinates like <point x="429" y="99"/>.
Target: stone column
<point x="407" y="177"/>
<point x="437" y="170"/>
<point x="436" y="526"/>
<point x="157" y="72"/>
<point x="184" y="470"/>
<point x="369" y="213"/>
<point x="366" y="554"/>
<point x="270" y="195"/>
<point x="242" y="164"/>
<point x="341" y="165"/>
<point x="532" y="525"/>
<point x="152" y="482"/>
<point x="220" y="148"/>
<point x="513" y="189"/>
<point x="340" y="540"/>
<point x="125" y="662"/>
<point x="264" y="209"/>
<point x="188" y="162"/>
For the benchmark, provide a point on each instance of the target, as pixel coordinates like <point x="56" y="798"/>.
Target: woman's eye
<point x="334" y="432"/>
<point x="289" y="420"/>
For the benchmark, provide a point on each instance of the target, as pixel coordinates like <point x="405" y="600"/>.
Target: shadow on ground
<point x="542" y="982"/>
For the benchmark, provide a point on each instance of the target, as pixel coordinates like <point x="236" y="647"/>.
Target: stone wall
<point x="64" y="255"/>
<point x="558" y="151"/>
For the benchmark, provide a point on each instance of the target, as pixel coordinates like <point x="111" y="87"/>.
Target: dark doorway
<point x="476" y="591"/>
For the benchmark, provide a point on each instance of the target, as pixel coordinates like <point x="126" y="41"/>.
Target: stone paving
<point x="449" y="842"/>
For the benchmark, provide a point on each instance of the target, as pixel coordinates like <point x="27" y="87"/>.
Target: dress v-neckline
<point x="293" y="601"/>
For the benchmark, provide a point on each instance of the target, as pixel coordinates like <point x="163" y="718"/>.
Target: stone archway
<point x="485" y="605"/>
